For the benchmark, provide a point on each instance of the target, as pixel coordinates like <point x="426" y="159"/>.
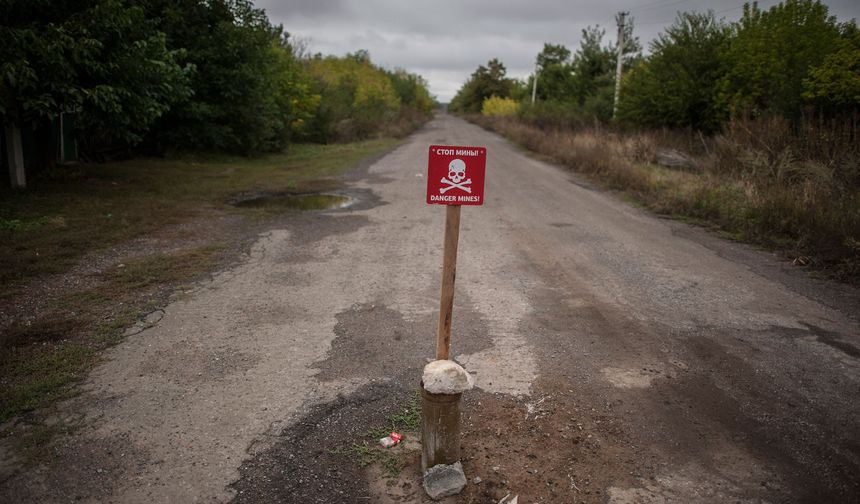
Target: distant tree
<point x="594" y="71"/>
<point x="593" y="64"/>
<point x="357" y="97"/>
<point x="677" y="85"/>
<point x="412" y="90"/>
<point x="555" y="74"/>
<point x="486" y="81"/>
<point x="296" y="98"/>
<point x="772" y="52"/>
<point x="576" y="89"/>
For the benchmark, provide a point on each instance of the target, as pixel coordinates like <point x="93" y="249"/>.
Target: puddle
<point x="303" y="202"/>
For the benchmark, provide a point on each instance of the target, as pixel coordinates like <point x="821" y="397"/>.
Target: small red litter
<point x="391" y="439"/>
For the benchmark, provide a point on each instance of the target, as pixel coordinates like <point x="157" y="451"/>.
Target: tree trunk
<point x="15" y="158"/>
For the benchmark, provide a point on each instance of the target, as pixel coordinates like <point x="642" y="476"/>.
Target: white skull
<point x="456" y="171"/>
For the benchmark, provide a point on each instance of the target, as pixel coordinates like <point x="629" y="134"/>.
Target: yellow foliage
<point x="495" y="106"/>
<point x="370" y="86"/>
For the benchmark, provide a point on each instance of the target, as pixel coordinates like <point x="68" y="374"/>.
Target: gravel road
<point x="619" y="357"/>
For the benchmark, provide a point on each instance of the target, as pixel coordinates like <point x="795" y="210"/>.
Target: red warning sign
<point x="455" y="175"/>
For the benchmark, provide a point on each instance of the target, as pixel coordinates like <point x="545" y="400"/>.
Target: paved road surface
<point x="701" y="370"/>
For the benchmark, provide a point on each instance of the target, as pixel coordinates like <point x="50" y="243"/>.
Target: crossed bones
<point x="451" y="184"/>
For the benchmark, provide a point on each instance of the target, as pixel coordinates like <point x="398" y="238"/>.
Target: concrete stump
<point x="442" y="386"/>
<point x="440" y="429"/>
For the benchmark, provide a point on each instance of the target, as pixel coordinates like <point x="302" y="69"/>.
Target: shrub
<point x="495" y="106"/>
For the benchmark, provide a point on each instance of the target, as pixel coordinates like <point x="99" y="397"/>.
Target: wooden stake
<point x="449" y="274"/>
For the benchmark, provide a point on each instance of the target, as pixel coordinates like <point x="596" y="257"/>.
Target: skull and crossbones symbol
<point x="456" y="174"/>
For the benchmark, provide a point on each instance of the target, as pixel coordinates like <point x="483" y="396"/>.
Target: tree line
<point x="791" y="60"/>
<point x="159" y="75"/>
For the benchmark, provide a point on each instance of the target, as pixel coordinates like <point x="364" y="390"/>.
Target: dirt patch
<point x="550" y="448"/>
<point x="375" y="341"/>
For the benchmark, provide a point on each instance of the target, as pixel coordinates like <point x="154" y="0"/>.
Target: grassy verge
<point x="74" y="210"/>
<point x="765" y="186"/>
<point x="87" y="208"/>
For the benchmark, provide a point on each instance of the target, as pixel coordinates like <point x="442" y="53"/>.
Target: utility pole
<point x="534" y="83"/>
<point x="619" y="18"/>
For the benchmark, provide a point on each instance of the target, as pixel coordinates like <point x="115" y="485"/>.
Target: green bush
<point x="677" y="85"/>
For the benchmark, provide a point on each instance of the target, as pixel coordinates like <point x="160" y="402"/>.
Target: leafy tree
<point x="486" y="81"/>
<point x="357" y="97"/>
<point x="101" y="58"/>
<point x="772" y="52"/>
<point x="411" y="89"/>
<point x="834" y="84"/>
<point x="185" y="74"/>
<point x="553" y="54"/>
<point x="296" y="97"/>
<point x="593" y="64"/>
<point x="555" y="74"/>
<point x="677" y="85"/>
<point x="582" y="83"/>
<point x="238" y="77"/>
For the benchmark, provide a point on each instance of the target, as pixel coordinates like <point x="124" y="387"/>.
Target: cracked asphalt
<point x="619" y="357"/>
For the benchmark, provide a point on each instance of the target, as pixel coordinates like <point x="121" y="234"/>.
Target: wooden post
<point x="449" y="275"/>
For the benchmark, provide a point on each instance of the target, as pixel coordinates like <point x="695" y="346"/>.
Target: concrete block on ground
<point x="442" y="480"/>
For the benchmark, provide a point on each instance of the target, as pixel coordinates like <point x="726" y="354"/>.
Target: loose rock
<point x="443" y="480"/>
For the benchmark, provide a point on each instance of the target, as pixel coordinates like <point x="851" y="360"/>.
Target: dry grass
<point x="793" y="188"/>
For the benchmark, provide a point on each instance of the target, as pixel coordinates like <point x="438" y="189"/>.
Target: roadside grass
<point x="367" y="451"/>
<point x="86" y="208"/>
<point x="42" y="360"/>
<point x="763" y="185"/>
<point x="74" y="210"/>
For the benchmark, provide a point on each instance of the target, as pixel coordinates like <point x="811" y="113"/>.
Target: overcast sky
<point x="445" y="40"/>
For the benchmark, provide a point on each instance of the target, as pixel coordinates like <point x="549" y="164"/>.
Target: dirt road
<point x="619" y="358"/>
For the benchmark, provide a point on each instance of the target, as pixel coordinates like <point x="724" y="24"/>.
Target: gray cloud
<point x="445" y="40"/>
